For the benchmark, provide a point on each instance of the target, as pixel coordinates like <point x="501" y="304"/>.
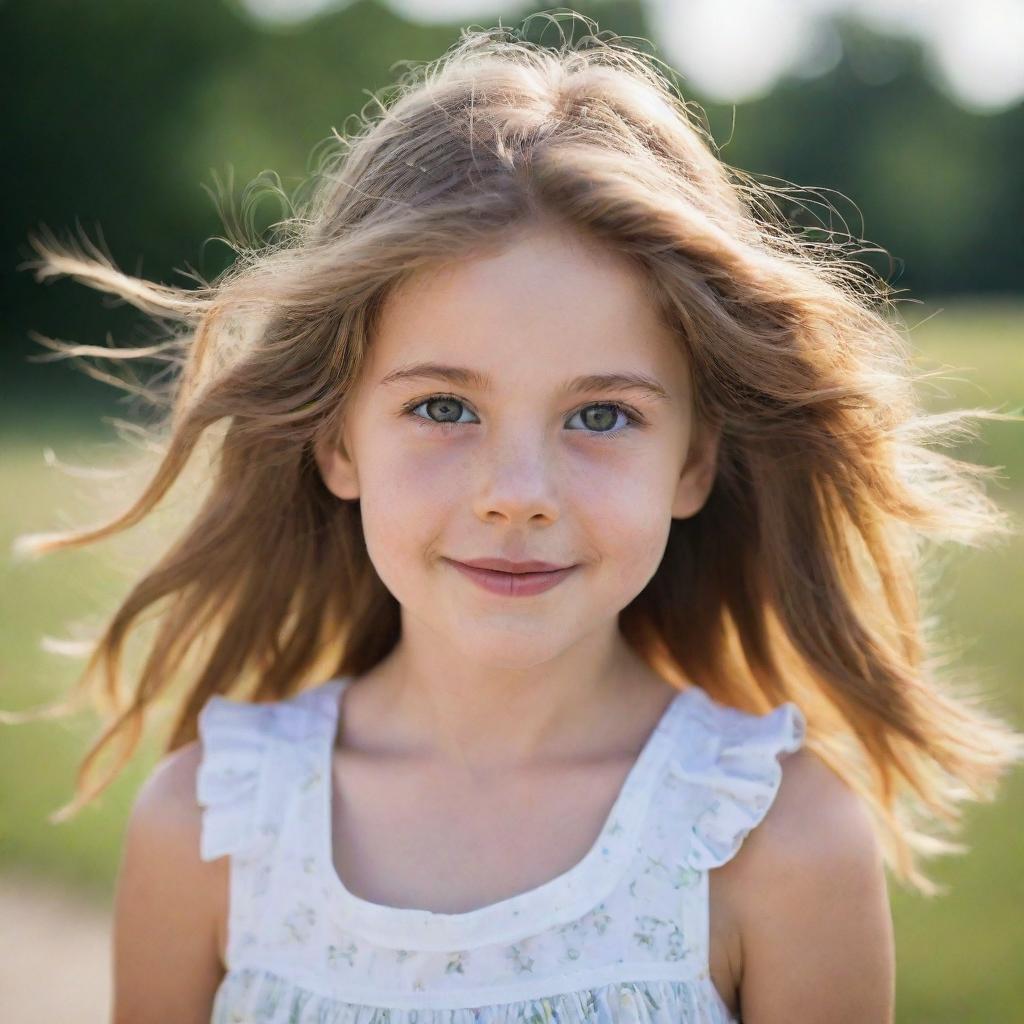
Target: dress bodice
<point x="623" y="935"/>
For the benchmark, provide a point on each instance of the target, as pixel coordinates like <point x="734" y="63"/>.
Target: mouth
<point x="507" y="565"/>
<point x="512" y="584"/>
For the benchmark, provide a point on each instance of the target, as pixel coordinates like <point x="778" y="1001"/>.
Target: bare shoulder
<point x="814" y="814"/>
<point x="813" y="909"/>
<point x="169" y="903"/>
<point x="166" y="812"/>
<point x="171" y="787"/>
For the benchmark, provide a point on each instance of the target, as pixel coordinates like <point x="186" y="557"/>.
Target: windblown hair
<point x="800" y="579"/>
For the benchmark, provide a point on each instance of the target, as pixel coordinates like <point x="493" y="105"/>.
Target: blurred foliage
<point x="123" y="114"/>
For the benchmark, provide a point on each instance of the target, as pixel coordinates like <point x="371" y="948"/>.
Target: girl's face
<point x="510" y="447"/>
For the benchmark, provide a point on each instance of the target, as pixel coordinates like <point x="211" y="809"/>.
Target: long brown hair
<point x="800" y="578"/>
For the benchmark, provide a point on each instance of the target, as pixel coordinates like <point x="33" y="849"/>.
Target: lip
<point x="504" y="565"/>
<point x="513" y="584"/>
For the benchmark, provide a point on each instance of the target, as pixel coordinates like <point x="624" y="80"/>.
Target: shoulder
<point x="169" y="907"/>
<point x="812" y="905"/>
<point x="166" y="808"/>
<point x="814" y="815"/>
<point x="163" y="835"/>
<point x="170" y="788"/>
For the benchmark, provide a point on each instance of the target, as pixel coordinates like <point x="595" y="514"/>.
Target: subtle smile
<point x="512" y="584"/>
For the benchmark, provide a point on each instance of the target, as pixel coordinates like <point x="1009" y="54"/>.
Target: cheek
<point x="633" y="536"/>
<point x="407" y="477"/>
<point x="622" y="493"/>
<point x="406" y="496"/>
<point x="625" y="510"/>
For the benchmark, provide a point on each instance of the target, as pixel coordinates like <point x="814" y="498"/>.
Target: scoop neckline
<point x="566" y="896"/>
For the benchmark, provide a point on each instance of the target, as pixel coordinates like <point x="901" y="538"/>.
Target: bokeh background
<point x="127" y="118"/>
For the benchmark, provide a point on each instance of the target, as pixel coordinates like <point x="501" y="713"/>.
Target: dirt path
<point x="54" y="954"/>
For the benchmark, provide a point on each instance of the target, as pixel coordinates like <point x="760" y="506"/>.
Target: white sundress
<point x="622" y="936"/>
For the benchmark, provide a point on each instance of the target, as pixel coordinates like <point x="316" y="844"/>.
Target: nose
<point x="518" y="480"/>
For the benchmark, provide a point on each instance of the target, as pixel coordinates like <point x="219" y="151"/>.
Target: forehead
<point x="549" y="303"/>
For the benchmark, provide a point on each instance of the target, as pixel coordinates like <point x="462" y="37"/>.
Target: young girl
<point x="554" y="590"/>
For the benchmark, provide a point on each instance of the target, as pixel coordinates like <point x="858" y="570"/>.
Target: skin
<point x="500" y="721"/>
<point x="482" y="680"/>
<point x="806" y="923"/>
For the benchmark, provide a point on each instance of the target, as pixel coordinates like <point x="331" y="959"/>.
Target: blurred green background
<point x="121" y="112"/>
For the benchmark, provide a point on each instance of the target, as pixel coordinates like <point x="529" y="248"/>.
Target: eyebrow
<point x="468" y="378"/>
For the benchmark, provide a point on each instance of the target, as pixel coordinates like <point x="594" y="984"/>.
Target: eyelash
<point x="634" y="418"/>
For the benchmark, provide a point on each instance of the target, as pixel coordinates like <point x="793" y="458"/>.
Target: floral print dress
<point x="622" y="936"/>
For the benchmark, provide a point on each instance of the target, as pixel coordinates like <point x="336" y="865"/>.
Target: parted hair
<point x="805" y="576"/>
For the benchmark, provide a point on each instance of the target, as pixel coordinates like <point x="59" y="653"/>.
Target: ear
<point x="698" y="473"/>
<point x="337" y="468"/>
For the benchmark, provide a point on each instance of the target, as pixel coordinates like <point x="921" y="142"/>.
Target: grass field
<point x="958" y="956"/>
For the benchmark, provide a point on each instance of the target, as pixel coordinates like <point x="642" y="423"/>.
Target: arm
<point x="169" y="904"/>
<point x="816" y="928"/>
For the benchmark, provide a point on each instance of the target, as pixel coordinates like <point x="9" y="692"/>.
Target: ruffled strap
<point x="243" y="777"/>
<point x="731" y="756"/>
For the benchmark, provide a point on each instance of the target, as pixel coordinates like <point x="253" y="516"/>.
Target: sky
<point x="734" y="51"/>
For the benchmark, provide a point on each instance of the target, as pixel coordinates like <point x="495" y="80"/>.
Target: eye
<point x="603" y="413"/>
<point x="599" y="415"/>
<point x="448" y="404"/>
